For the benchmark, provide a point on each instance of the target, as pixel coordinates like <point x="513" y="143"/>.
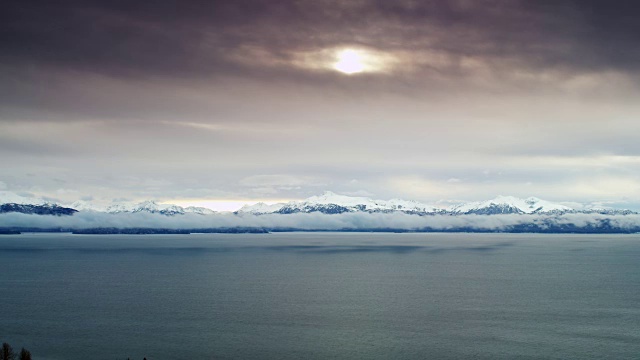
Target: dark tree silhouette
<point x="25" y="354"/>
<point x="7" y="352"/>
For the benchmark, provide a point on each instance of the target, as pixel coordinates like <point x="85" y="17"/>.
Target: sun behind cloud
<point x="350" y="61"/>
<point x="346" y="60"/>
<point x="354" y="61"/>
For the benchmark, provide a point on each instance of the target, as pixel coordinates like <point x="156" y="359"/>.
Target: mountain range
<point x="331" y="203"/>
<point x="327" y="203"/>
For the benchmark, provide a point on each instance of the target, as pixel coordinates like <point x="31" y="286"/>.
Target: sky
<point x="227" y="102"/>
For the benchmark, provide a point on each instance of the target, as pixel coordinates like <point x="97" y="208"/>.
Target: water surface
<point x="321" y="295"/>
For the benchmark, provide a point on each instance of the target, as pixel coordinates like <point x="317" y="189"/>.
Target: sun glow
<point x="350" y="61"/>
<point x="347" y="60"/>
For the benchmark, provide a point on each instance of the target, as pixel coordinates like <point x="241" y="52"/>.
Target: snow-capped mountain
<point x="82" y="205"/>
<point x="156" y="208"/>
<point x="35" y="205"/>
<point x="528" y="206"/>
<point x="13" y="203"/>
<point x="332" y="203"/>
<point x="509" y="205"/>
<point x="327" y="203"/>
<point x="43" y="209"/>
<point x="260" y="208"/>
<point x="198" y="210"/>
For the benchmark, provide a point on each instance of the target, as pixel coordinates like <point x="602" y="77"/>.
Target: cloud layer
<point x="182" y="38"/>
<point x="315" y="221"/>
<point x="178" y="100"/>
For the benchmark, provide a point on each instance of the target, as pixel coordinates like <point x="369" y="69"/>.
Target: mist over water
<point x="322" y="295"/>
<point x="319" y="221"/>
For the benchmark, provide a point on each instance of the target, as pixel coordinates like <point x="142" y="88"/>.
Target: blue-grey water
<point x="321" y="296"/>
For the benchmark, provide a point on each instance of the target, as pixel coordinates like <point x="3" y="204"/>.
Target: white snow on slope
<point x="199" y="210"/>
<point x="153" y="206"/>
<point x="260" y="208"/>
<point x="353" y="203"/>
<point x="499" y="205"/>
<point x="526" y="206"/>
<point x="82" y="205"/>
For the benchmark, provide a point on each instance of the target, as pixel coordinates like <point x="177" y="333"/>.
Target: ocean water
<point x="321" y="296"/>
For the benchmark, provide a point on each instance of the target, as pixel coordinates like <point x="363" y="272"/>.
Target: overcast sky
<point x="240" y="100"/>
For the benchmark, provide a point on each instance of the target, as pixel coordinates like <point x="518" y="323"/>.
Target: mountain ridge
<point x="327" y="203"/>
<point x="331" y="203"/>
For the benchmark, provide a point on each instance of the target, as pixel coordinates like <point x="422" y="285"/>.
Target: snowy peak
<point x="82" y="205"/>
<point x="510" y="205"/>
<point x="260" y="208"/>
<point x="329" y="197"/>
<point x="11" y="202"/>
<point x="353" y="203"/>
<point x="150" y="206"/>
<point x="332" y="203"/>
<point x="43" y="209"/>
<point x="154" y="207"/>
<point x="326" y="203"/>
<point x="198" y="210"/>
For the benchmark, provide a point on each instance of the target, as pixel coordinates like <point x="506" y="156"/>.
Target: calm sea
<point x="321" y="296"/>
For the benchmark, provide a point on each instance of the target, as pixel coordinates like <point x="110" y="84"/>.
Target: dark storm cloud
<point x="196" y="38"/>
